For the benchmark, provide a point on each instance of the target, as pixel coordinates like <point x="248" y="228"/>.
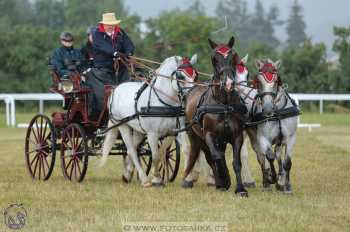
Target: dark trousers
<point x="97" y="78"/>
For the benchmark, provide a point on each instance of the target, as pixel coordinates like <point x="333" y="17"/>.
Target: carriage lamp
<point x="67" y="86"/>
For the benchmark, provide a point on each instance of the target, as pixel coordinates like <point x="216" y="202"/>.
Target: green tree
<point x="296" y="26"/>
<point x="262" y="25"/>
<point x="305" y="69"/>
<point x="342" y="47"/>
<point x="49" y="13"/>
<point x="180" y="33"/>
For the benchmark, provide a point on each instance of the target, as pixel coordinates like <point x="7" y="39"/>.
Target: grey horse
<point x="272" y="101"/>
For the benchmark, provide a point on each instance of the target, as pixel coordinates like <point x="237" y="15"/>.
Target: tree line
<point x="30" y="29"/>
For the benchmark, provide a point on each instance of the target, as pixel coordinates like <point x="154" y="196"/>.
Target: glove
<point x="115" y="54"/>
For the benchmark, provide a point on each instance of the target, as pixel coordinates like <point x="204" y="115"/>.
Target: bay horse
<point x="216" y="112"/>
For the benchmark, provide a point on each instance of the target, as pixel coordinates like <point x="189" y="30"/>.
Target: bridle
<point x="185" y="69"/>
<point x="270" y="75"/>
<point x="226" y="53"/>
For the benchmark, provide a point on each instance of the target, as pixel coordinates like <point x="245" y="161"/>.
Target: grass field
<point x="320" y="178"/>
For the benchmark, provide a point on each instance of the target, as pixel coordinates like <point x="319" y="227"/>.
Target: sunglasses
<point x="68" y="41"/>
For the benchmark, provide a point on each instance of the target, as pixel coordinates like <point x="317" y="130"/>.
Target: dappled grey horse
<point x="276" y="117"/>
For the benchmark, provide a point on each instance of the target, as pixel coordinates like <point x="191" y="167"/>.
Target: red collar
<point x="102" y="29"/>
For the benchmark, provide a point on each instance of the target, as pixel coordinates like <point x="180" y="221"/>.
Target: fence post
<point x="13" y="112"/>
<point x="41" y="106"/>
<point x="7" y="102"/>
<point x="321" y="106"/>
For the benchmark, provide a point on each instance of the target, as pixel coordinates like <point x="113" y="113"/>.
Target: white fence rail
<point x="10" y="102"/>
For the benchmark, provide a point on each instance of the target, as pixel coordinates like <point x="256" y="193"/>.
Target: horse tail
<point x="108" y="143"/>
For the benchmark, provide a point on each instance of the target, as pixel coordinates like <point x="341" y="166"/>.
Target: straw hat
<point x="109" y="19"/>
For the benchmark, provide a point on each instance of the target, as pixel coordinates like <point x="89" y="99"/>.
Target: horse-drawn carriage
<point x="76" y="136"/>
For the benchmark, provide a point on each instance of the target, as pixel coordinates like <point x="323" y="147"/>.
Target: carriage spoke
<point x="71" y="171"/>
<point x="44" y="132"/>
<point x="36" y="165"/>
<point x="47" y="163"/>
<point x="40" y="162"/>
<point x="171" y="167"/>
<point x="46" y="138"/>
<point x="75" y="170"/>
<point x="167" y="171"/>
<point x="43" y="166"/>
<point x="79" y="169"/>
<point x="35" y="158"/>
<point x="144" y="160"/>
<point x="41" y="128"/>
<point x="35" y="136"/>
<point x="30" y="152"/>
<point x="171" y="151"/>
<point x="163" y="176"/>
<point x="171" y="158"/>
<point x="69" y="163"/>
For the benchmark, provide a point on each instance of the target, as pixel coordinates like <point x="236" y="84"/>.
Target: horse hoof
<point x="159" y="184"/>
<point x="223" y="189"/>
<point x="249" y="185"/>
<point x="279" y="187"/>
<point x="147" y="184"/>
<point x="242" y="194"/>
<point x="288" y="189"/>
<point x="187" y="184"/>
<point x="125" y="180"/>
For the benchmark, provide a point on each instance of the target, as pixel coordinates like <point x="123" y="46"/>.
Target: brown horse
<point x="216" y="113"/>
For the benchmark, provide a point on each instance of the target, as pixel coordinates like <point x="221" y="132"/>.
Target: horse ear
<point x="212" y="43"/>
<point x="258" y="64"/>
<point x="194" y="59"/>
<point x="277" y="64"/>
<point x="231" y="42"/>
<point x="245" y="59"/>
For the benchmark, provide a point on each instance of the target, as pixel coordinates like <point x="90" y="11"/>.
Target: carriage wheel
<point x="170" y="166"/>
<point x="145" y="156"/>
<point x="40" y="147"/>
<point x="74" y="153"/>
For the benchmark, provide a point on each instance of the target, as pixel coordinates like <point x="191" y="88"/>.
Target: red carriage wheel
<point x="170" y="165"/>
<point x="74" y="153"/>
<point x="40" y="147"/>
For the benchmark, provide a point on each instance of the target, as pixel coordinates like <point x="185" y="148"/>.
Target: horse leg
<point x="217" y="150"/>
<point x="208" y="166"/>
<point x="280" y="179"/>
<point x="185" y="150"/>
<point x="247" y="178"/>
<point x="153" y="140"/>
<point x="237" y="165"/>
<point x="266" y="147"/>
<point x="108" y="143"/>
<point x="192" y="159"/>
<point x="128" y="138"/>
<point x="287" y="164"/>
<point x="128" y="169"/>
<point x="260" y="157"/>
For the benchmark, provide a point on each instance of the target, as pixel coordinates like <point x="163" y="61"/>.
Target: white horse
<point x="161" y="92"/>
<point x="273" y="98"/>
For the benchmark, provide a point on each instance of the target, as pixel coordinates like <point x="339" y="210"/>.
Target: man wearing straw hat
<point x="108" y="41"/>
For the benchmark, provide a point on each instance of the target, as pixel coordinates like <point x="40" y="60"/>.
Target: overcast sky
<point x="319" y="15"/>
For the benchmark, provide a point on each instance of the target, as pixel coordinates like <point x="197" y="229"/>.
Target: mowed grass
<point x="320" y="178"/>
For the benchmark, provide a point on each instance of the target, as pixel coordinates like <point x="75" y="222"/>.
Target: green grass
<point x="320" y="178"/>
